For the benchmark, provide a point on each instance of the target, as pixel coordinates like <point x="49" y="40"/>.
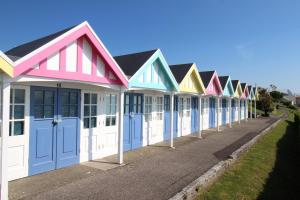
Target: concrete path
<point x="154" y="172"/>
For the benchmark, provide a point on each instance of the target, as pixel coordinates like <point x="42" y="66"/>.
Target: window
<point x="126" y="104"/>
<point x="110" y="109"/>
<point x="159" y="108"/>
<point x="43" y="104"/>
<point x="17" y="112"/>
<point x="181" y="105"/>
<point x="148" y="108"/>
<point x="175" y="103"/>
<point x="167" y="103"/>
<point x="69" y="104"/>
<point x="137" y="104"/>
<point x="188" y="107"/>
<point x="90" y="110"/>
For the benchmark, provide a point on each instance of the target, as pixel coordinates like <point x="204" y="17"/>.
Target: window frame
<point x="148" y="108"/>
<point x="111" y="115"/>
<point x="159" y="107"/>
<point x="188" y="106"/>
<point x="90" y="104"/>
<point x="26" y="110"/>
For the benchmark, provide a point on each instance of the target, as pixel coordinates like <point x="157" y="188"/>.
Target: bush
<point x="286" y="103"/>
<point x="292" y="107"/>
<point x="297" y="119"/>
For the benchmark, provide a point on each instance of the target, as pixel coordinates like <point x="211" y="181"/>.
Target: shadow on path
<point x="284" y="181"/>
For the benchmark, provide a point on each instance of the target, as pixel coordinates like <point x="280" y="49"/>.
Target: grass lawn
<point x="270" y="170"/>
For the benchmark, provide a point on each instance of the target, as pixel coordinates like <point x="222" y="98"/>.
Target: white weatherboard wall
<point x="53" y="62"/>
<point x="102" y="140"/>
<point x="87" y="58"/>
<point x="71" y="57"/>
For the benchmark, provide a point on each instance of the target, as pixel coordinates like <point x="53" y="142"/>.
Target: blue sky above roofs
<point x="254" y="41"/>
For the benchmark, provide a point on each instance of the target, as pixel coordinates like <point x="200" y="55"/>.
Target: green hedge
<point x="297" y="119"/>
<point x="297" y="124"/>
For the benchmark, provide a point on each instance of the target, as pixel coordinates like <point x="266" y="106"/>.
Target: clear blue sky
<point x="256" y="41"/>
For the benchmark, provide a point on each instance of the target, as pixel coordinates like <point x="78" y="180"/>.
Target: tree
<point x="276" y="95"/>
<point x="265" y="101"/>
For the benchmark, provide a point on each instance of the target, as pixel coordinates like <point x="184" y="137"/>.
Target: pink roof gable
<point x="214" y="87"/>
<point x="25" y="65"/>
<point x="245" y="92"/>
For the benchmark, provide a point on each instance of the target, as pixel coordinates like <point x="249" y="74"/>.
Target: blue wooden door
<point x="194" y="115"/>
<point x="224" y="108"/>
<point x="167" y="117"/>
<point x="68" y="128"/>
<point x="212" y="112"/>
<point x="175" y="117"/>
<point x="54" y="136"/>
<point x="233" y="108"/>
<point x="133" y="121"/>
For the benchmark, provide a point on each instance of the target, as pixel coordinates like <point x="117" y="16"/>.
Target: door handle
<point x="131" y="114"/>
<point x="56" y="121"/>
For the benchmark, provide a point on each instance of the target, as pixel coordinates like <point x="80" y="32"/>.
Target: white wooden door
<point x="90" y="123"/>
<point x="18" y="141"/>
<point x="205" y="113"/>
<point x="158" y="120"/>
<point x="99" y="125"/>
<point x="186" y="121"/>
<point x="148" y="119"/>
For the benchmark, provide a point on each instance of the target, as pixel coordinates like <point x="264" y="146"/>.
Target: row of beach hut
<point x="65" y="99"/>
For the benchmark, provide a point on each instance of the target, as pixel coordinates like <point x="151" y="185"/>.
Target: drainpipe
<point x="121" y="114"/>
<point x="172" y="120"/>
<point x="218" y="107"/>
<point x="5" y="134"/>
<point x="200" y="117"/>
<point x="230" y="110"/>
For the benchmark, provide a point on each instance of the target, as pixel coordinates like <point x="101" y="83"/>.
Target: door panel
<point x="166" y="117"/>
<point x="233" y="108"/>
<point x="224" y="111"/>
<point x="133" y="120"/>
<point x="126" y="123"/>
<point x="42" y="144"/>
<point x="68" y="127"/>
<point x="212" y="112"/>
<point x="175" y="118"/>
<point x="54" y="129"/>
<point x="194" y="115"/>
<point x="137" y="120"/>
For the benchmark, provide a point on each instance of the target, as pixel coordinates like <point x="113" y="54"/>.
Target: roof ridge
<point x="148" y="51"/>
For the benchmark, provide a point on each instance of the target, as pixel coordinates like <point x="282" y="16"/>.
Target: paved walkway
<point x="154" y="172"/>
